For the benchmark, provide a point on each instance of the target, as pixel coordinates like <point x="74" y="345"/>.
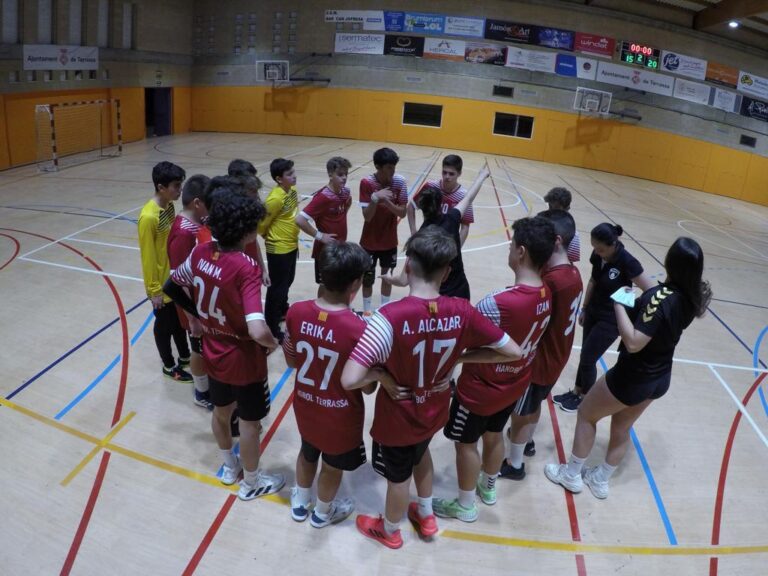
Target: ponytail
<point x="684" y="264"/>
<point x="607" y="233"/>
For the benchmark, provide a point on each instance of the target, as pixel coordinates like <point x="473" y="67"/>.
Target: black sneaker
<point x="177" y="373"/>
<point x="184" y="362"/>
<point x="510" y="472"/>
<point x="571" y="404"/>
<point x="530" y="449"/>
<point x="560" y="398"/>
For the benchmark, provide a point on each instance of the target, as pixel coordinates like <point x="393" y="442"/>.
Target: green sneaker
<point x="487" y="495"/>
<point x="452" y="509"/>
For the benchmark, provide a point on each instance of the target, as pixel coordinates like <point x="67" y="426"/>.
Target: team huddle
<point x="512" y="346"/>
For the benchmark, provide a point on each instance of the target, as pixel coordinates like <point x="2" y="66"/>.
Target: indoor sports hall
<point x="653" y="114"/>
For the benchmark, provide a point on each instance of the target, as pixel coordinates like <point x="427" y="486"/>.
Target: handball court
<point x="109" y="468"/>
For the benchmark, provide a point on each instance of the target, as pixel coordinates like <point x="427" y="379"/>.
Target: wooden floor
<point x="107" y="468"/>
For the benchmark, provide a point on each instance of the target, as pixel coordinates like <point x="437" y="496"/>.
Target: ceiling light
<point x="733" y="24"/>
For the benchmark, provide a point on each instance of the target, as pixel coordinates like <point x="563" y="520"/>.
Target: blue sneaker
<point x="299" y="511"/>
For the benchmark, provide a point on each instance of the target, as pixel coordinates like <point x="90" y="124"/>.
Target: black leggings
<point x="167" y="326"/>
<point x="282" y="271"/>
<point x="597" y="338"/>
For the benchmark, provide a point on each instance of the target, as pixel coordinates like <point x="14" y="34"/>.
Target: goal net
<point x="72" y="133"/>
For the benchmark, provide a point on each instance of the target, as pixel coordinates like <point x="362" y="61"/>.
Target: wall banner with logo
<point x="586" y="68"/>
<point x="432" y="24"/>
<point x="635" y="78"/>
<point x="463" y="26"/>
<point x="595" y="45"/>
<point x="533" y="60"/>
<point x="445" y="49"/>
<point x="683" y="65"/>
<point x="370" y="19"/>
<point x="752" y="85"/>
<point x="555" y="38"/>
<point x="485" y="53"/>
<point x="55" y="57"/>
<point x="722" y="74"/>
<point x="724" y="100"/>
<point x="509" y="31"/>
<point x="404" y="45"/>
<point x="755" y="109"/>
<point x="691" y="91"/>
<point x="359" y="43"/>
<point x="566" y="65"/>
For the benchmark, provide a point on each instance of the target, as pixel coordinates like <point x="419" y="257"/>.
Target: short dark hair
<point x="342" y="264"/>
<point x="240" y="167"/>
<point x="166" y="172"/>
<point x="336" y="163"/>
<point x="194" y="188"/>
<point x="278" y="167"/>
<point x="565" y="226"/>
<point x="233" y="216"/>
<point x="429" y="202"/>
<point x="537" y="235"/>
<point x="430" y="251"/>
<point x="607" y="233"/>
<point x="248" y="183"/>
<point x="215" y="184"/>
<point x="454" y="161"/>
<point x="559" y="195"/>
<point x="384" y="156"/>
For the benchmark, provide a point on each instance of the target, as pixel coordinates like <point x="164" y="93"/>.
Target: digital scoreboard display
<point x="640" y="55"/>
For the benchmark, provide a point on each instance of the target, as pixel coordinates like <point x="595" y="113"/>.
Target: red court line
<point x="202" y="548"/>
<point x="16" y="250"/>
<point x="718" y="516"/>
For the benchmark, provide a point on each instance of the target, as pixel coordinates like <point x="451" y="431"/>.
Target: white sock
<point x="390" y="527"/>
<point x="384" y="299"/>
<point x="515" y="454"/>
<point x="425" y="506"/>
<point x="367" y="304"/>
<point x="251" y="477"/>
<point x="605" y="471"/>
<point x="201" y="382"/>
<point x="322" y="509"/>
<point x="488" y="481"/>
<point x="467" y="498"/>
<point x="304" y="495"/>
<point x="230" y="459"/>
<point x="574" y="466"/>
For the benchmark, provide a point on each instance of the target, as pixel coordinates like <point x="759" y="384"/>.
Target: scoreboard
<point x="640" y="55"/>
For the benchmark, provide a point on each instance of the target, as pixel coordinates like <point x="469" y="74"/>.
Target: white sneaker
<point x="230" y="475"/>
<point x="558" y="473"/>
<point x="299" y="511"/>
<point x="265" y="484"/>
<point x="340" y="509"/>
<point x="598" y="487"/>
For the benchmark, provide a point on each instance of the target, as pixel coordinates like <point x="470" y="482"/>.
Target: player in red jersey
<point x="486" y="393"/>
<point x="417" y="340"/>
<point x="383" y="197"/>
<point x="181" y="241"/>
<point x="227" y="292"/>
<point x="328" y="208"/>
<point x="452" y="193"/>
<point x="564" y="282"/>
<point x="320" y="334"/>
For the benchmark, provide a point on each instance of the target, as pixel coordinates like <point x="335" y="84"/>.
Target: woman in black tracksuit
<point x="612" y="268"/>
<point x="649" y="333"/>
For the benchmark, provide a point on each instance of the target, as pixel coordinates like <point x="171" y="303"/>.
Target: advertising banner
<point x="586" y="68"/>
<point x="484" y="53"/>
<point x="752" y="85"/>
<point x="359" y="43"/>
<point x="594" y="44"/>
<point x="462" y="26"/>
<point x="724" y="100"/>
<point x="509" y="31"/>
<point x="534" y="60"/>
<point x="683" y="65"/>
<point x="555" y="38"/>
<point x="394" y="21"/>
<point x="722" y="74"/>
<point x="691" y="91"/>
<point x="54" y="57"/>
<point x="635" y="78"/>
<point x="432" y="24"/>
<point x="404" y="45"/>
<point x="755" y="109"/>
<point x="370" y="19"/>
<point x="566" y="65"/>
<point x="445" y="49"/>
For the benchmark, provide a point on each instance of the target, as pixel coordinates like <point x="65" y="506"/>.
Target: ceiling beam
<point x="728" y="10"/>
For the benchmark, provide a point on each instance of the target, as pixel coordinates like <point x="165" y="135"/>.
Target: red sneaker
<point x="373" y="528"/>
<point x="427" y="527"/>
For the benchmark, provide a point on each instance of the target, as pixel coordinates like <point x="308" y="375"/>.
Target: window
<point x="422" y="114"/>
<point x="128" y="21"/>
<point x="76" y="22"/>
<point x="506" y="91"/>
<point x="45" y="21"/>
<point x="10" y="22"/>
<point x="513" y="125"/>
<point x="750" y="141"/>
<point x="102" y="24"/>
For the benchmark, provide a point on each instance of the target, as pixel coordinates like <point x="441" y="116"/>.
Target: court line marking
<point x="481" y="538"/>
<point x="96" y="449"/>
<point x="17" y="247"/>
<point x="740" y="406"/>
<point x="104" y="244"/>
<point x="713" y="242"/>
<point x="79" y="269"/>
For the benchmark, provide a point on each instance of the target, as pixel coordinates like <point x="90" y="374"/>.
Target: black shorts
<point x="396" y="463"/>
<point x="466" y="427"/>
<point x="631" y="388"/>
<point x="195" y="343"/>
<point x="348" y="461"/>
<point x="252" y="400"/>
<point x="530" y="401"/>
<point x="387" y="260"/>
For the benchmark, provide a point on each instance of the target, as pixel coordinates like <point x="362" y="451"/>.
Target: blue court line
<point x="272" y="395"/>
<point x="71" y="351"/>
<point x="649" y="476"/>
<point x="107" y="370"/>
<point x="519" y="196"/>
<point x="755" y="361"/>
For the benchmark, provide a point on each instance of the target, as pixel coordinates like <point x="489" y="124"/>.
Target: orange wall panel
<point x="131" y="112"/>
<point x="182" y="109"/>
<point x="756" y="182"/>
<point x="5" y="159"/>
<point x="726" y="172"/>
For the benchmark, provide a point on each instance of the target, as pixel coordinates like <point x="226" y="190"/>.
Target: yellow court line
<point x="572" y="547"/>
<point x="97" y="448"/>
